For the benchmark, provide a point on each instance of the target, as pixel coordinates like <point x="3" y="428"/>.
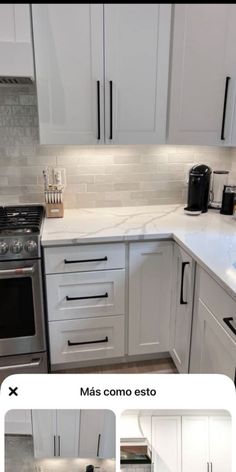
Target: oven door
<point x="22" y="327"/>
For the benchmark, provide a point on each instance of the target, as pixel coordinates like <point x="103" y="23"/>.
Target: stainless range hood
<point x="135" y="451"/>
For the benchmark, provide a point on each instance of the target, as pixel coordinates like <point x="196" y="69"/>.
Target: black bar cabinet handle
<point x="182" y="302"/>
<point x="235" y="377"/>
<point x="105" y="340"/>
<point x="228" y="321"/>
<point x="98" y="109"/>
<point x="98" y="447"/>
<point x="111" y="109"/>
<point x="222" y="137"/>
<point x="68" y="299"/>
<point x="81" y="261"/>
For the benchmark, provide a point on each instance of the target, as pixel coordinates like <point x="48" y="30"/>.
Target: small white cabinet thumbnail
<point x="56" y="433"/>
<point x="97" y="434"/>
<point x="166" y="443"/>
<point x="206" y="444"/>
<point x="150" y="285"/>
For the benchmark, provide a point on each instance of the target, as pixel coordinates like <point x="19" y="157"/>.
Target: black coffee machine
<point x="199" y="188"/>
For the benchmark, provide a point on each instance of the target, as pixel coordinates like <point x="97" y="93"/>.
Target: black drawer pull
<point x="105" y="340"/>
<point x="182" y="302"/>
<point x="98" y="110"/>
<point x="68" y="299"/>
<point x="222" y="137"/>
<point x="111" y="109"/>
<point x="81" y="261"/>
<point x="228" y="321"/>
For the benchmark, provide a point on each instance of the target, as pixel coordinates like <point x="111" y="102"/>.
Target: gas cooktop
<point x="20" y="228"/>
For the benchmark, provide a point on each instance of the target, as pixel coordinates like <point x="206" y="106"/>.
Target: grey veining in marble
<point x="209" y="238"/>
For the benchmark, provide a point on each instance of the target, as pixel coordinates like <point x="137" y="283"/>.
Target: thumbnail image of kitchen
<point x="117" y="188"/>
<point x="176" y="441"/>
<point x="60" y="441"/>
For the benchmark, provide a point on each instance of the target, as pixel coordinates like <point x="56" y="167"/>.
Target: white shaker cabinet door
<point x="195" y="450"/>
<point x="181" y="323"/>
<point x="220" y="437"/>
<point x="16" y="50"/>
<point x="68" y="422"/>
<point x="137" y="38"/>
<point x="68" y="42"/>
<point x="44" y="433"/>
<point x="203" y="57"/>
<point x="150" y="285"/>
<point x="166" y="444"/>
<point x="97" y="434"/>
<point x="212" y="349"/>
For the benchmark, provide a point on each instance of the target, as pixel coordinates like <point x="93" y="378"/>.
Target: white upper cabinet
<point x="206" y="444"/>
<point x="136" y="72"/>
<point x="203" y="75"/>
<point x="56" y="433"/>
<point x="68" y="42"/>
<point x="76" y="85"/>
<point x="97" y="434"/>
<point x="15" y="40"/>
<point x="166" y="444"/>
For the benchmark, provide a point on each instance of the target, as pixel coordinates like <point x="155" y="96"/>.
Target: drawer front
<point x="84" y="258"/>
<point x="87" y="294"/>
<point x="218" y="301"/>
<point x="79" y="340"/>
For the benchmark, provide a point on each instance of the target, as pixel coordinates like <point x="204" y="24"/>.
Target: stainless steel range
<point x="22" y="321"/>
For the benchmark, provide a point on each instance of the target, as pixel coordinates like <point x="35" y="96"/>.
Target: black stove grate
<point x="21" y="219"/>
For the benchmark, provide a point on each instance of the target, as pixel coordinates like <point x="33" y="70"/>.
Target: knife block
<point x="54" y="210"/>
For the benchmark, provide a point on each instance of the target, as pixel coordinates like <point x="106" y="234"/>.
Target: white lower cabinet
<point x="213" y="348"/>
<point x="97" y="434"/>
<point x="150" y="284"/>
<point x="206" y="444"/>
<point x="56" y="433"/>
<point x="86" y="339"/>
<point x="166" y="444"/>
<point x="181" y="322"/>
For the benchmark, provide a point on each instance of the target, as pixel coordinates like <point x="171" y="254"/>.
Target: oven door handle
<point x="17" y="271"/>
<point x="35" y="363"/>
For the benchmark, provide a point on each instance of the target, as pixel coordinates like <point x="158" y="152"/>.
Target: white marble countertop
<point x="210" y="238"/>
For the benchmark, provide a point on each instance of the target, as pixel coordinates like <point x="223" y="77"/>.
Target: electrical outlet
<point x="59" y="176"/>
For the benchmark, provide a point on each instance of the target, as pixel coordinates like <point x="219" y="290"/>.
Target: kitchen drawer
<point x="84" y="257"/>
<point x="217" y="300"/>
<point x="94" y="338"/>
<point x="106" y="289"/>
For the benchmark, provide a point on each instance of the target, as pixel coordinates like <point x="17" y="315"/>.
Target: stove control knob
<point x="16" y="247"/>
<point x="31" y="246"/>
<point x="3" y="248"/>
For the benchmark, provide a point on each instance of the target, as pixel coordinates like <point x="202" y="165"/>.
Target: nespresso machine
<point x="199" y="188"/>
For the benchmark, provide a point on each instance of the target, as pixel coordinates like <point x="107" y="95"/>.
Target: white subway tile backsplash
<point x="97" y="176"/>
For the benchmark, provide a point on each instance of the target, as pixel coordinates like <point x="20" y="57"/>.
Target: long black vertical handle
<point x="111" y="109"/>
<point x="98" y="446"/>
<point x="222" y="137"/>
<point x="182" y="302"/>
<point x="98" y="109"/>
<point x="235" y="377"/>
